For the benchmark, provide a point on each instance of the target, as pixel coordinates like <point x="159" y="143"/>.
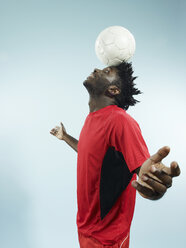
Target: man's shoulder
<point x="120" y="115"/>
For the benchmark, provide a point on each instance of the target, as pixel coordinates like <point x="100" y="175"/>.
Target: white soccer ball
<point x="114" y="45"/>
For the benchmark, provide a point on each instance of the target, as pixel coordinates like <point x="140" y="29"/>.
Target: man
<point x="111" y="151"/>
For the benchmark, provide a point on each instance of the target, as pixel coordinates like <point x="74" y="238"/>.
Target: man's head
<point x="115" y="82"/>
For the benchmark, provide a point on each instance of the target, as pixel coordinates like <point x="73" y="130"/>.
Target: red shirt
<point x="110" y="148"/>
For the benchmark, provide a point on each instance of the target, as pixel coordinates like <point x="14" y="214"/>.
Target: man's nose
<point x="96" y="70"/>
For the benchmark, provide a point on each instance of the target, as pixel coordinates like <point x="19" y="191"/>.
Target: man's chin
<point x="88" y="86"/>
<point x="87" y="83"/>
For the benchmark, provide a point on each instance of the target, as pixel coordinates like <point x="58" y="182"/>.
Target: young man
<point x="111" y="151"/>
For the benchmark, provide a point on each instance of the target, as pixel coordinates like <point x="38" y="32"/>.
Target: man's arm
<point x="71" y="141"/>
<point x="60" y="133"/>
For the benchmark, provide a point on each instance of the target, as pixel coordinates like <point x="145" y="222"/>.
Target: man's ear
<point x="113" y="90"/>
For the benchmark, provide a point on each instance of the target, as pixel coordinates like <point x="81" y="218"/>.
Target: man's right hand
<point x="59" y="131"/>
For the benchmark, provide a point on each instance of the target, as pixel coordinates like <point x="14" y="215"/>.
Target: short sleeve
<point x="124" y="134"/>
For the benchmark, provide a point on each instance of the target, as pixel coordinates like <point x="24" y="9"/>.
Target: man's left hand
<point x="154" y="176"/>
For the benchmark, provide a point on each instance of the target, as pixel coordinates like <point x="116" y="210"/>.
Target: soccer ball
<point x="114" y="45"/>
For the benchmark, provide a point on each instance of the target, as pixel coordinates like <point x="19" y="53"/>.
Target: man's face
<point x="99" y="80"/>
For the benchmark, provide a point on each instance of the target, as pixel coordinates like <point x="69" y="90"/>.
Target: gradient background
<point x="46" y="52"/>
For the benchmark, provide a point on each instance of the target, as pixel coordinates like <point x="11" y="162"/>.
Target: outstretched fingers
<point x="160" y="154"/>
<point x="53" y="131"/>
<point x="172" y="171"/>
<point x="155" y="185"/>
<point x="163" y="176"/>
<point x="147" y="192"/>
<point x="175" y="169"/>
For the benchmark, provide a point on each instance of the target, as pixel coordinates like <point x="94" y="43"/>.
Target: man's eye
<point x="107" y="71"/>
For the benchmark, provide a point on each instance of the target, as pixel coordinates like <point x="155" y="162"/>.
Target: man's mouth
<point x="91" y="75"/>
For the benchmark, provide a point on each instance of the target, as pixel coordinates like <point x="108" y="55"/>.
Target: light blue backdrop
<point x="46" y="52"/>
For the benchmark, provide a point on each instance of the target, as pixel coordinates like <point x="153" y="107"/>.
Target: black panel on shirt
<point x="115" y="176"/>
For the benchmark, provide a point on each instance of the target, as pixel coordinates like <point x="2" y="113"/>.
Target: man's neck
<point x="96" y="103"/>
